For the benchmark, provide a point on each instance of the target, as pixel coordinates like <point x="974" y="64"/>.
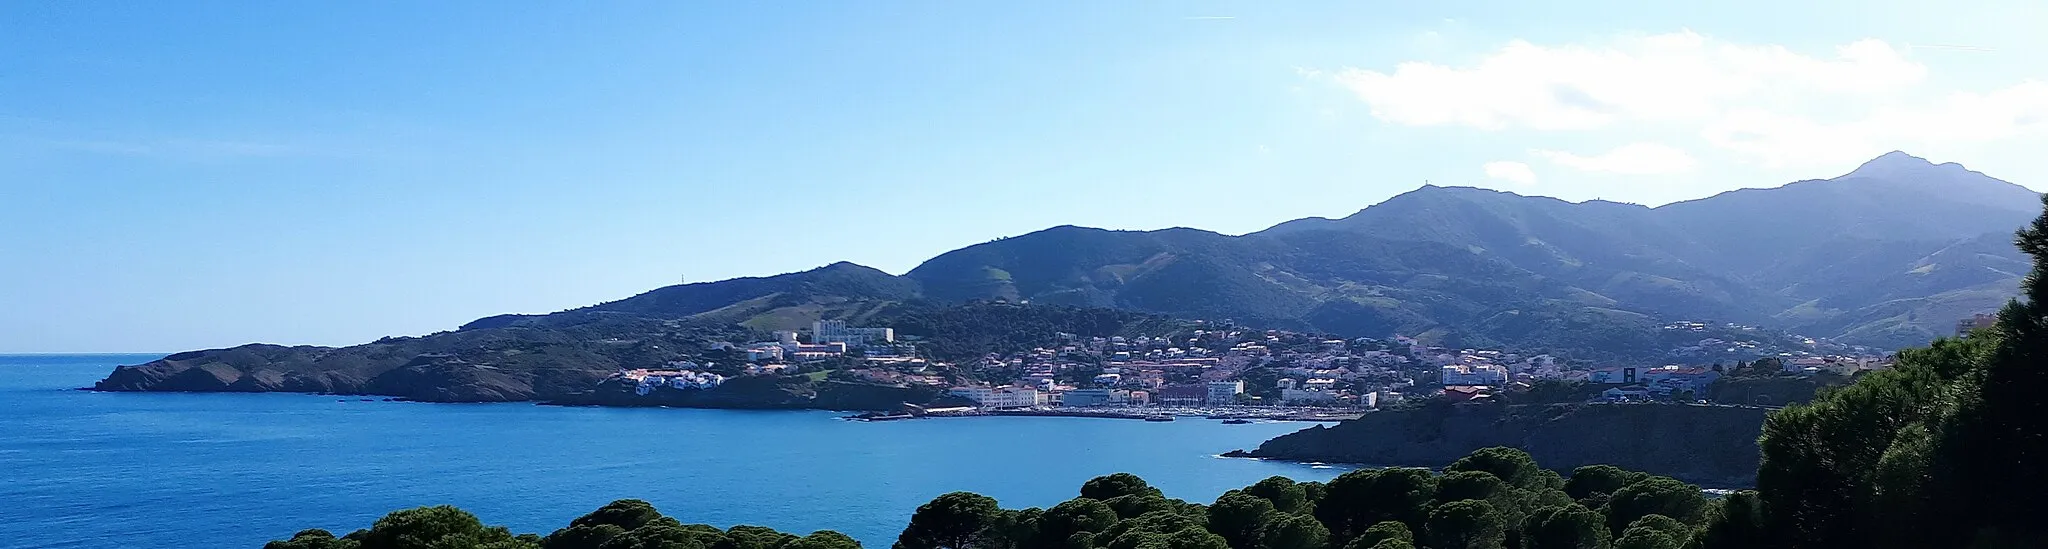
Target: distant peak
<point x="1900" y="156"/>
<point x="1894" y="163"/>
<point x="843" y="266"/>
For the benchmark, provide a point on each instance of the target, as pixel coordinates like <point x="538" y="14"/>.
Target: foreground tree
<point x="1075" y="516"/>
<point x="1654" y="532"/>
<point x="1655" y="496"/>
<point x="1510" y="465"/>
<point x="1565" y="527"/>
<point x="1287" y="496"/>
<point x="1294" y="532"/>
<point x="950" y="521"/>
<point x="1599" y="479"/>
<point x="1466" y="524"/>
<point x="665" y="533"/>
<point x="1736" y="523"/>
<point x="753" y="537"/>
<point x="1941" y="450"/>
<point x="1986" y="456"/>
<point x="1238" y="516"/>
<point x="1359" y="499"/>
<point x="1646" y="538"/>
<point x="823" y="539"/>
<point x="1382" y="533"/>
<point x="312" y="539"/>
<point x="1119" y="484"/>
<point x="439" y="527"/>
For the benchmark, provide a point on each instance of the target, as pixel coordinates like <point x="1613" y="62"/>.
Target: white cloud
<point x="1765" y="103"/>
<point x="1630" y="159"/>
<point x="1510" y="171"/>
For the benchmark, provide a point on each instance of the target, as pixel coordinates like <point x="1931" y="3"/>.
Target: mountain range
<point x="1889" y="255"/>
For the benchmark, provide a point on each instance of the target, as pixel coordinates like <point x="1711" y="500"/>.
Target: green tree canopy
<point x="1154" y="527"/>
<point x="311" y="539"/>
<point x="1654" y="496"/>
<point x="755" y="537"/>
<point x="1289" y="531"/>
<point x="1466" y="524"/>
<point x="435" y="527"/>
<point x="1359" y="499"/>
<point x="1669" y="526"/>
<point x="662" y="533"/>
<point x="1599" y="479"/>
<point x="1287" y="496"/>
<point x="625" y="513"/>
<point x="1380" y="533"/>
<point x="1134" y="505"/>
<point x="1238" y="516"/>
<point x="1075" y="515"/>
<point x="823" y="539"/>
<point x="588" y="536"/>
<point x="1119" y="484"/>
<point x="1018" y="529"/>
<point x="1511" y="465"/>
<point x="1737" y="522"/>
<point x="1479" y="485"/>
<point x="1195" y="538"/>
<point x="1565" y="527"/>
<point x="950" y="521"/>
<point x="1647" y="538"/>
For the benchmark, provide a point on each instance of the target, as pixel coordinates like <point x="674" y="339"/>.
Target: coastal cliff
<point x="1713" y="445"/>
<point x="568" y="362"/>
<point x="442" y="378"/>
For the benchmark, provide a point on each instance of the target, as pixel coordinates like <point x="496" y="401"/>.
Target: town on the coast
<point x="1230" y="372"/>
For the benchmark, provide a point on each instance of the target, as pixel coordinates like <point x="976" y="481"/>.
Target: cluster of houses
<point x="680" y="375"/>
<point x="1211" y="367"/>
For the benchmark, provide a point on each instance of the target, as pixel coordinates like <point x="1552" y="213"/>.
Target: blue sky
<point x="202" y="174"/>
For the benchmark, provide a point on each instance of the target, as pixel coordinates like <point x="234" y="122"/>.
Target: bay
<point x="191" y="470"/>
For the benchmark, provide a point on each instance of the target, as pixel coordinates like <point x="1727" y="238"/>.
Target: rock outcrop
<point x="1711" y="445"/>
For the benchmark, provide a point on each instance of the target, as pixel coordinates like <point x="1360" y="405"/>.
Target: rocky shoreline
<point x="1708" y="445"/>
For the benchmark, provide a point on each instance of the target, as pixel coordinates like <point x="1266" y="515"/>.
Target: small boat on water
<point x="1236" y="421"/>
<point x="1158" y="418"/>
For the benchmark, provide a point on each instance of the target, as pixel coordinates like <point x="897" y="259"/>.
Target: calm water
<point x="82" y="469"/>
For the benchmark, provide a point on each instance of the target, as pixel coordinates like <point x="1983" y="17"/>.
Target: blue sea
<point x="170" y="470"/>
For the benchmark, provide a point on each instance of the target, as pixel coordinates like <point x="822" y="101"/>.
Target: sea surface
<point x="177" y="470"/>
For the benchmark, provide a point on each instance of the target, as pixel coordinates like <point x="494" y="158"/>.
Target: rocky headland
<point x="1710" y="445"/>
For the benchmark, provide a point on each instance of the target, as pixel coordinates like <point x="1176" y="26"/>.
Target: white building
<point x="764" y="352"/>
<point x="1013" y="397"/>
<point x="646" y="381"/>
<point x="836" y="331"/>
<point x="1481" y="375"/>
<point x="1224" y="392"/>
<point x="976" y="394"/>
<point x="1001" y="397"/>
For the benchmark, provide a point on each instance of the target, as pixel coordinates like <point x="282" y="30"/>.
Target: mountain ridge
<point x="1877" y="256"/>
